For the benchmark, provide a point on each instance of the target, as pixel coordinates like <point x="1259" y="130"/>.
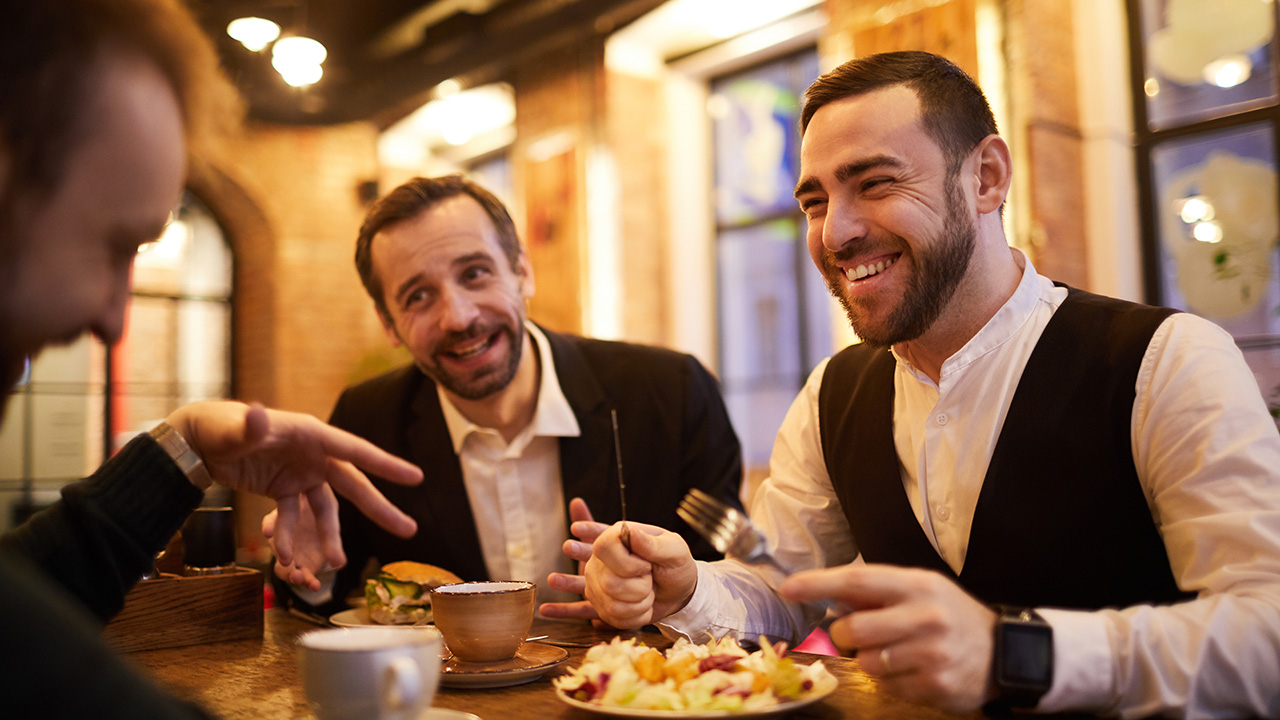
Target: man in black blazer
<point x="448" y="278"/>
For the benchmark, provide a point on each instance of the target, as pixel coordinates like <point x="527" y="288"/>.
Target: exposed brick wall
<point x="309" y="315"/>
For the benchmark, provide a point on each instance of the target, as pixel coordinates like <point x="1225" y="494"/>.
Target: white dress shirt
<point x="514" y="488"/>
<point x="1207" y="454"/>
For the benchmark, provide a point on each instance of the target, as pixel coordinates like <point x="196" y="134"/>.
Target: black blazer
<point x="674" y="429"/>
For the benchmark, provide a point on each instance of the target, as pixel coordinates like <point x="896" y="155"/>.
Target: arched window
<point x="82" y="402"/>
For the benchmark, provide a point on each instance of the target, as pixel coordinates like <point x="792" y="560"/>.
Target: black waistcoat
<point x="1061" y="519"/>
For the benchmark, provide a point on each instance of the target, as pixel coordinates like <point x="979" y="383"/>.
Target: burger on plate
<point x="401" y="593"/>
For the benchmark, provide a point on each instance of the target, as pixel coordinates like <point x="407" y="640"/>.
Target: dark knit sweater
<point x="66" y="571"/>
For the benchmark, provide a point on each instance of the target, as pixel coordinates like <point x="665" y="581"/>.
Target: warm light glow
<point x="299" y="49"/>
<point x="169" y="246"/>
<point x="448" y="87"/>
<point x="1151" y="87"/>
<point x="1228" y="71"/>
<point x="1207" y="232"/>
<point x="298" y="59"/>
<point x="254" y="33"/>
<point x="1195" y="209"/>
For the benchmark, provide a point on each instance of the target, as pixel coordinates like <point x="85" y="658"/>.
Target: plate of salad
<point x="716" y="679"/>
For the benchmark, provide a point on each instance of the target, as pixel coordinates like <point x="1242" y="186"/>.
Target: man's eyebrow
<point x="854" y="169"/>
<point x="848" y="170"/>
<point x="808" y="185"/>
<point x="407" y="285"/>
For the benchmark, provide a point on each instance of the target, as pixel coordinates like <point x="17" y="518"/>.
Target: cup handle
<point x="401" y="685"/>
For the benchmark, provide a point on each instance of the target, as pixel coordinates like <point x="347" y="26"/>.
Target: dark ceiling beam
<point x="478" y="48"/>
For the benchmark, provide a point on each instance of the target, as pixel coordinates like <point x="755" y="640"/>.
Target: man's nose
<point x="109" y="325"/>
<point x="457" y="310"/>
<point x="844" y="224"/>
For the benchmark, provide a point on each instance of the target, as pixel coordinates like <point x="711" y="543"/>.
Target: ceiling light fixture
<point x="254" y="33"/>
<point x="298" y="60"/>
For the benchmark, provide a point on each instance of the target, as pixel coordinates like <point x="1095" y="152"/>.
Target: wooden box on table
<point x="178" y="610"/>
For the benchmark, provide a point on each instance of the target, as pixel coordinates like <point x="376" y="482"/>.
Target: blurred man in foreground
<point x="1013" y="491"/>
<point x="100" y="101"/>
<point x="508" y="419"/>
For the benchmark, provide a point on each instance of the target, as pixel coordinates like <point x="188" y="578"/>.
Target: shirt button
<point x="942" y="418"/>
<point x="943" y="512"/>
<point x="516" y="551"/>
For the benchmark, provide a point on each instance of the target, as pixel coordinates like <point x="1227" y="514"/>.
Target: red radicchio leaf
<point x="718" y="662"/>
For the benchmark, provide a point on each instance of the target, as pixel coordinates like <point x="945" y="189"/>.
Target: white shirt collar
<point x="551" y="418"/>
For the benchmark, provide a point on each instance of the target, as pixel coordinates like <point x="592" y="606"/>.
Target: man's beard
<point x="489" y="383"/>
<point x="939" y="267"/>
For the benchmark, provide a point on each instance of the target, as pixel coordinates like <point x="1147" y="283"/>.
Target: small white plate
<point x="436" y="713"/>
<point x="359" y="617"/>
<point x="532" y="661"/>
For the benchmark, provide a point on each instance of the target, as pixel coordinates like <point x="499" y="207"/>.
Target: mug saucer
<point x="531" y="661"/>
<point x="439" y="713"/>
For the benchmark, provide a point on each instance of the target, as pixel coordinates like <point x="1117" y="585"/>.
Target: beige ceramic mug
<point x="484" y="621"/>
<point x="369" y="673"/>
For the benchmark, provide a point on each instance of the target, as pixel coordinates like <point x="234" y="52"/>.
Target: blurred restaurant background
<point x="648" y="152"/>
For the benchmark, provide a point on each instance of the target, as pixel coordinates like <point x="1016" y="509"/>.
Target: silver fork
<point x="727" y="529"/>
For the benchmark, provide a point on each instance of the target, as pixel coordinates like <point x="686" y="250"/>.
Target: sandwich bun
<point x="431" y="576"/>
<point x="401" y="593"/>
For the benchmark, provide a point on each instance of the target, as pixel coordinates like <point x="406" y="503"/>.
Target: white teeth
<point x="864" y="271"/>
<point x="465" y="352"/>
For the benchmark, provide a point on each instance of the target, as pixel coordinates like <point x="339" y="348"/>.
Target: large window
<point x="82" y="402"/>
<point x="773" y="307"/>
<point x="1206" y="111"/>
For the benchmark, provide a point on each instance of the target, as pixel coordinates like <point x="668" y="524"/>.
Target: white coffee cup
<point x="369" y="673"/>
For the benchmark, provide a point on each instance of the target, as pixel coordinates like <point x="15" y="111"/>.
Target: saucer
<point x="436" y="713"/>
<point x="359" y="617"/>
<point x="531" y="662"/>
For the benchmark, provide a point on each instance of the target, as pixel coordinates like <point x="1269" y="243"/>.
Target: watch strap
<point x="191" y="464"/>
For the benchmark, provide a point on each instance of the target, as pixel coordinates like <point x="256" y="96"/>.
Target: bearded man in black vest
<point x="1013" y="493"/>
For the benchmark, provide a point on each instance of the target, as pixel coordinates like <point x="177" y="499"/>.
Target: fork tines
<point x="717" y="522"/>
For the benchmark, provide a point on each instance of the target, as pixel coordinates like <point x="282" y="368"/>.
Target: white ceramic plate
<point x="359" y="617"/>
<point x="781" y="709"/>
<point x="436" y="713"/>
<point x="532" y="661"/>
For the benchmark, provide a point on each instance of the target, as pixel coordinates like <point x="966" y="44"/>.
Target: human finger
<point x="580" y="610"/>
<point x="579" y="511"/>
<point x="342" y="445"/>
<point x="575" y="550"/>
<point x="324" y="509"/>
<point x="858" y="586"/>
<point x="348" y="481"/>
<point x="587" y="531"/>
<point x="569" y="583"/>
<point x="269" y="524"/>
<point x="287" y="509"/>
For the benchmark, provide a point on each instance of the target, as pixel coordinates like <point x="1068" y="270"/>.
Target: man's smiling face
<point x="888" y="229"/>
<point x="452" y="297"/>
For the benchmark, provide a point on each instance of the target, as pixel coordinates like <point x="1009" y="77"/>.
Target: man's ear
<point x="388" y="326"/>
<point x="525" y="270"/>
<point x="993" y="172"/>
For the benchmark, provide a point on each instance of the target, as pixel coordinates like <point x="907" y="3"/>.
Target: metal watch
<point x="191" y="465"/>
<point x="1022" y="662"/>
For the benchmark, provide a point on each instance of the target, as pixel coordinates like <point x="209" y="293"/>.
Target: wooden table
<point x="258" y="680"/>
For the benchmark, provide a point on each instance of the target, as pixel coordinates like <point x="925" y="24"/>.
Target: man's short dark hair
<point x="953" y="109"/>
<point x="411" y="200"/>
<point x="50" y="54"/>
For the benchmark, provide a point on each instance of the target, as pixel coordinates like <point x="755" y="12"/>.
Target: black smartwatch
<point x="1022" y="661"/>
